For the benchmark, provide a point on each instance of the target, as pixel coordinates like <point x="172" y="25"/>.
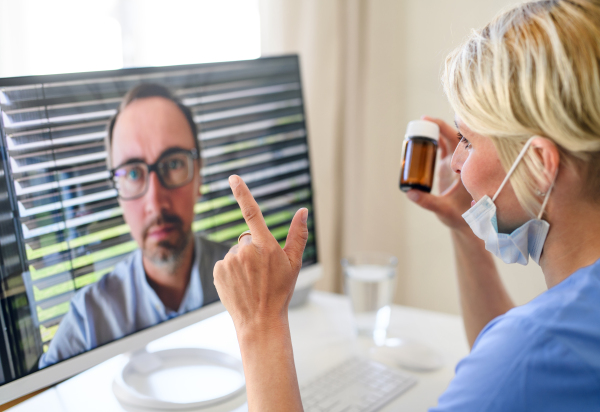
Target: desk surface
<point x="322" y="335"/>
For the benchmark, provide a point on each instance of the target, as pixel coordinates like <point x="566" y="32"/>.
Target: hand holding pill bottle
<point x="418" y="156"/>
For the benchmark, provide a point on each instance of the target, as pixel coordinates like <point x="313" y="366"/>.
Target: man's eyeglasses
<point x="174" y="168"/>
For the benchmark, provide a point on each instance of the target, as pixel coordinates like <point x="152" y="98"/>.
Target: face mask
<point x="527" y="240"/>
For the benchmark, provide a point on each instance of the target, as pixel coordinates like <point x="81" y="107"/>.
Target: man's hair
<point x="142" y="91"/>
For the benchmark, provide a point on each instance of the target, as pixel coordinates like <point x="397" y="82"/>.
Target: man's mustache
<point x="163" y="219"/>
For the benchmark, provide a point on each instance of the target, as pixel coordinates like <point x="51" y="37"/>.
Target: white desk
<point x="322" y="335"/>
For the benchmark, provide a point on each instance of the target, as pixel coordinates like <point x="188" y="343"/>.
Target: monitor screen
<point x="62" y="231"/>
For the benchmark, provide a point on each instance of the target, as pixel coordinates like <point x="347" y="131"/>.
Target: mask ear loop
<point x="545" y="202"/>
<point x="514" y="166"/>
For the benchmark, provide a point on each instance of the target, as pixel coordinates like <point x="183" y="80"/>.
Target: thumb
<point x="426" y="200"/>
<point x="296" y="238"/>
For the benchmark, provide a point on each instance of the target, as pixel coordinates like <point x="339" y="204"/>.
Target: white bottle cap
<point x="423" y="128"/>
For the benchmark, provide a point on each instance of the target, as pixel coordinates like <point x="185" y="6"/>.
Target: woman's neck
<point x="573" y="241"/>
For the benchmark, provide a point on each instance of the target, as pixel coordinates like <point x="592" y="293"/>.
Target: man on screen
<point x="154" y="158"/>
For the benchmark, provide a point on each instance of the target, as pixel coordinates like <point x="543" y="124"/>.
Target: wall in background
<point x="39" y="37"/>
<point x="60" y="36"/>
<point x="369" y="67"/>
<point x="161" y="33"/>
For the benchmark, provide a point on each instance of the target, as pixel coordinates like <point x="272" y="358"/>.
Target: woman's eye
<point x="463" y="140"/>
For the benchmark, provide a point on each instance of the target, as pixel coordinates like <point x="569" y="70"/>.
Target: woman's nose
<point x="458" y="158"/>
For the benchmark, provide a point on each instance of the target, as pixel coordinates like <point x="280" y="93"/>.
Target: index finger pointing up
<point x="250" y="210"/>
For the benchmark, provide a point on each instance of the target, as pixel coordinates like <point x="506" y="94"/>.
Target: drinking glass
<point x="369" y="281"/>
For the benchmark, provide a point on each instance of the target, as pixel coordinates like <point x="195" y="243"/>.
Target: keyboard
<point x="356" y="385"/>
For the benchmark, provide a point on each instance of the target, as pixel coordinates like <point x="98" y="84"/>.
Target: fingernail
<point x="304" y="216"/>
<point x="234" y="181"/>
<point x="413" y="195"/>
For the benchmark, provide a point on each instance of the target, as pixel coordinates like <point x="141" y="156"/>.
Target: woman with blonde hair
<point x="526" y="94"/>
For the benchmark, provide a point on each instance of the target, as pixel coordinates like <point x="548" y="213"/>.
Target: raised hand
<point x="453" y="200"/>
<point x="256" y="279"/>
<point x="255" y="282"/>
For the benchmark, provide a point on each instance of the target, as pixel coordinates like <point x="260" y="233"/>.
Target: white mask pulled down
<point x="516" y="247"/>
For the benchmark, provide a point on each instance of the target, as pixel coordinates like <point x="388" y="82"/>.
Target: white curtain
<point x="354" y="160"/>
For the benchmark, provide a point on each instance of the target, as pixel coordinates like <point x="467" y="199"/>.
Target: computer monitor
<point x="61" y="227"/>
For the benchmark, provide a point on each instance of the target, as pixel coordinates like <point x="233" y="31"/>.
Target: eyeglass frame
<point x="154" y="168"/>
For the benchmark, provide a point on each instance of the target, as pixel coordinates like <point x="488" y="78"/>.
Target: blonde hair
<point x="534" y="70"/>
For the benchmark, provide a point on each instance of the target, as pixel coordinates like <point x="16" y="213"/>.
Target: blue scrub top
<point x="542" y="356"/>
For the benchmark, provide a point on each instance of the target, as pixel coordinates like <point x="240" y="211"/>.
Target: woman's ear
<point x="548" y="158"/>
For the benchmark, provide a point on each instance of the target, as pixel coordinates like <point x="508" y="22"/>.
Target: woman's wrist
<point x="467" y="242"/>
<point x="464" y="234"/>
<point x="259" y="330"/>
<point x="268" y="358"/>
<point x="471" y="254"/>
<point x="273" y="341"/>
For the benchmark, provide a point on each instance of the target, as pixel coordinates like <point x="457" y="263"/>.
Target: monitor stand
<point x="181" y="378"/>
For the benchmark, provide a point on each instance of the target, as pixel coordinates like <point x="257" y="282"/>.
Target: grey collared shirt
<point x="122" y="302"/>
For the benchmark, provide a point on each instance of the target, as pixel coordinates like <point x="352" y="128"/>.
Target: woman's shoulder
<point x="518" y="364"/>
<point x="566" y="314"/>
<point x="531" y="349"/>
<point x="572" y="305"/>
<point x="530" y="360"/>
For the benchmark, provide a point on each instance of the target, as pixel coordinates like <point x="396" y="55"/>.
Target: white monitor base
<point x="181" y="378"/>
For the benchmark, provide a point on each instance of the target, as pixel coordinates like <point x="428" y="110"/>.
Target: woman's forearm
<point x="482" y="293"/>
<point x="255" y="282"/>
<point x="268" y="359"/>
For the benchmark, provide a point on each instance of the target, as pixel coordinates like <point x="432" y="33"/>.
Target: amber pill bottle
<point x="418" y="156"/>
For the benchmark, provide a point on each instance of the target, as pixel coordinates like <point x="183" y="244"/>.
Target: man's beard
<point x="167" y="253"/>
